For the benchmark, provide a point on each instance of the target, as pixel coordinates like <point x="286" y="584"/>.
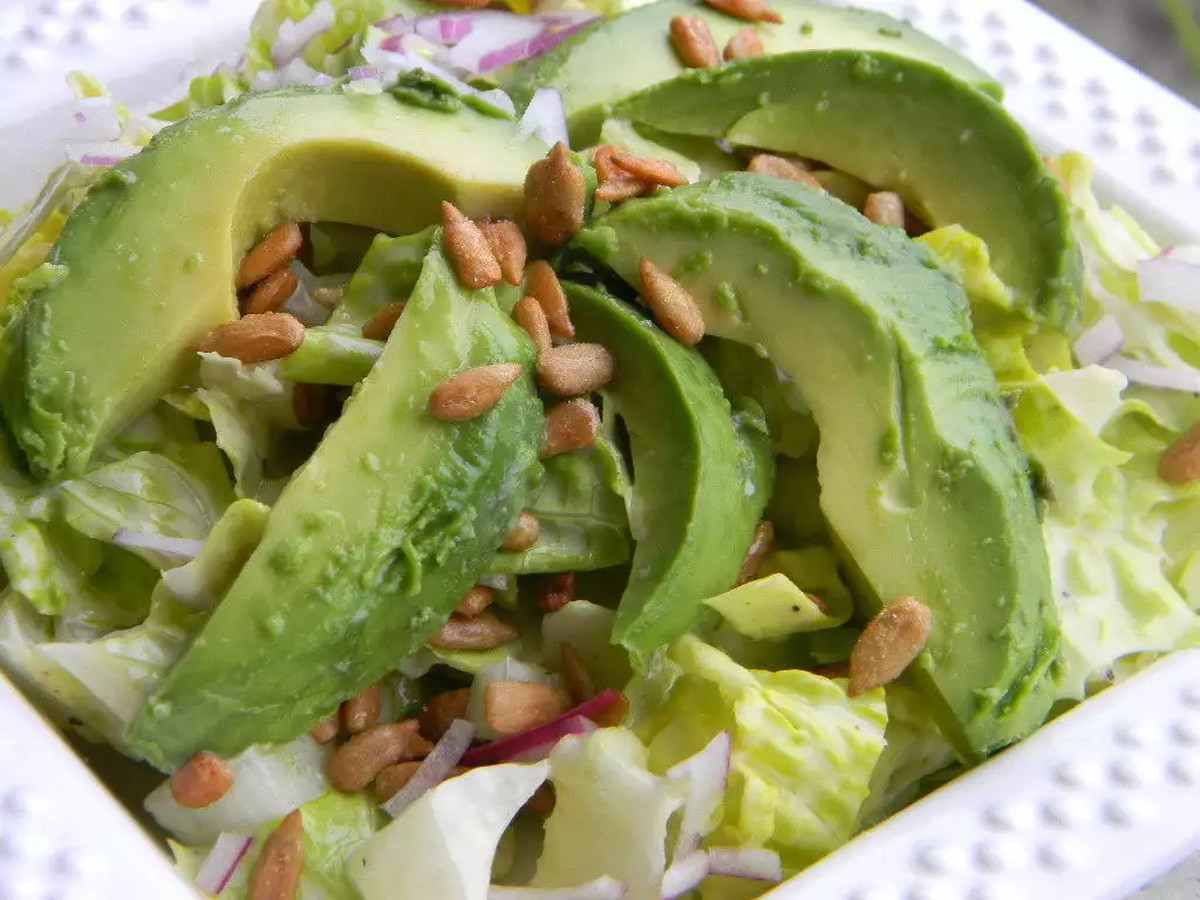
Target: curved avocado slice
<point x="581" y="67"/>
<point x="371" y="545"/>
<point x="952" y="153"/>
<point x="921" y="476"/>
<point x="150" y="255"/>
<point x="701" y="472"/>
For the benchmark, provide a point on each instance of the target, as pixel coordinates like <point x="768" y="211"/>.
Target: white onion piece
<point x="1157" y="376"/>
<point x="294" y="36"/>
<point x="603" y="888"/>
<point x="1100" y="343"/>
<point x="97" y="119"/>
<point x="749" y="863"/>
<point x="706" y="774"/>
<point x="436" y="767"/>
<point x="183" y="549"/>
<point x="301" y="303"/>
<point x="294" y="73"/>
<point x="1172" y="278"/>
<point x="82" y="151"/>
<point x="222" y="861"/>
<point x="545" y="117"/>
<point x="499" y="99"/>
<point x="684" y="875"/>
<point x="495" y="582"/>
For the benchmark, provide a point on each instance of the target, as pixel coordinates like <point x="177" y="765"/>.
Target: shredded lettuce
<point x="803" y="751"/>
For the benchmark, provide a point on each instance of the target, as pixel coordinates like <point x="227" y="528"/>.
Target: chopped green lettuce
<point x="604" y="790"/>
<point x="803" y="751"/>
<point x="772" y="607"/>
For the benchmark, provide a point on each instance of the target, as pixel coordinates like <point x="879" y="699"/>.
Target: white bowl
<point x="1090" y="808"/>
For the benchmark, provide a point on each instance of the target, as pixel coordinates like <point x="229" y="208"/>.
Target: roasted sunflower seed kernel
<point x="529" y="314"/>
<point x="469" y="251"/>
<point x="694" y="43"/>
<point x="652" y="171"/>
<point x="272" y="292"/>
<point x="575" y="675"/>
<point x="481" y="632"/>
<point x="327" y="729"/>
<point x="746" y="44"/>
<point x="311" y="403"/>
<point x="472" y="393"/>
<point x="782" y="167"/>
<point x="760" y="545"/>
<point x="674" y="308"/>
<point x="602" y="162"/>
<point x="475" y="601"/>
<point x="746" y="10"/>
<point x="622" y="188"/>
<point x="569" y="370"/>
<point x="255" y="338"/>
<point x="274" y="252"/>
<point x="543" y="285"/>
<point x="885" y="208"/>
<point x="277" y="872"/>
<point x="354" y="764"/>
<point x="553" y="592"/>
<point x="511" y="707"/>
<point x="201" y="781"/>
<point x="571" y="425"/>
<point x="381" y="325"/>
<point x="1180" y="464"/>
<point x="555" y="197"/>
<point x="441" y="711"/>
<point x="889" y="643"/>
<point x="508" y="245"/>
<point x="524" y="534"/>
<point x="361" y="711"/>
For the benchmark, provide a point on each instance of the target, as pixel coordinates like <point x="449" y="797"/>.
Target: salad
<point x="578" y="452"/>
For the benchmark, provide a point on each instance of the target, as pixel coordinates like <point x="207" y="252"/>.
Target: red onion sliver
<point x="685" y="874"/>
<point x="1157" y="376"/>
<point x="603" y="888"/>
<point x="745" y="862"/>
<point x="545" y="117"/>
<point x="293" y="37"/>
<point x="436" y="768"/>
<point x="1100" y="343"/>
<point x="536" y="752"/>
<point x="503" y="748"/>
<point x="222" y="861"/>
<point x="706" y="773"/>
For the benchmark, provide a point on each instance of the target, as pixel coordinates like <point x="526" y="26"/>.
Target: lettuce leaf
<point x="803" y="750"/>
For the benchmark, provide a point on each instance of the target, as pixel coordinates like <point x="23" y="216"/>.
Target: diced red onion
<point x="82" y="151"/>
<point x="1100" y="343"/>
<point x="499" y="99"/>
<point x="501" y="33"/>
<point x="505" y="747"/>
<point x="603" y="888"/>
<point x="1172" y="278"/>
<point x="707" y="774"/>
<point x="1157" y="376"/>
<point x="184" y="549"/>
<point x="545" y="117"/>
<point x="362" y="73"/>
<point x="685" y="874"/>
<point x="536" y="752"/>
<point x="294" y="36"/>
<point x="436" y="767"/>
<point x="100" y="162"/>
<point x="745" y="862"/>
<point x="97" y="119"/>
<point x="301" y="303"/>
<point x="222" y="861"/>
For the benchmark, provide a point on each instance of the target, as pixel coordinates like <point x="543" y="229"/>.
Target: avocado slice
<point x="581" y="67"/>
<point x="372" y="543"/>
<point x="701" y="473"/>
<point x="922" y="480"/>
<point x="953" y="153"/>
<point x="148" y="259"/>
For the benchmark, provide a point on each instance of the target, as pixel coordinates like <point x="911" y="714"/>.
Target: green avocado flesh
<point x="151" y="255"/>
<point x="371" y="545"/>
<point x="921" y="477"/>
<point x="701" y="478"/>
<point x="952" y="153"/>
<point x="582" y="70"/>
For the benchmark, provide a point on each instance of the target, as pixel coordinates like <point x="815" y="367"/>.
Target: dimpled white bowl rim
<point x="1090" y="808"/>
